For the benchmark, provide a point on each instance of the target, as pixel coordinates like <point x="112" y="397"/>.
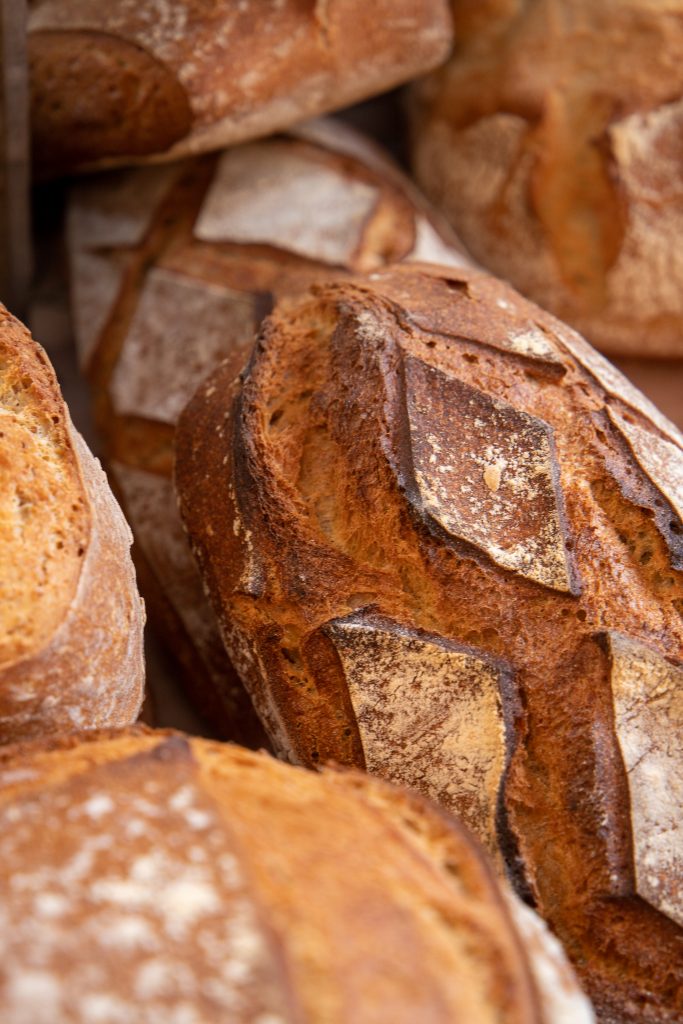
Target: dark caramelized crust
<point x="173" y="872"/>
<point x="173" y="269"/>
<point x="443" y="539"/>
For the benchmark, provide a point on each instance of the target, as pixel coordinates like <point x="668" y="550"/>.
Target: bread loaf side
<point x="70" y="615"/>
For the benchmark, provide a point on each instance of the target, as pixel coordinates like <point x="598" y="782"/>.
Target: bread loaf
<point x="443" y="537"/>
<point x="174" y="879"/>
<point x="553" y="141"/>
<point x="70" y="615"/>
<point x="172" y="270"/>
<point x="123" y="81"/>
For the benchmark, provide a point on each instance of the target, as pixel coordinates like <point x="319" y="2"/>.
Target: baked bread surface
<point x="71" y="618"/>
<point x="121" y="81"/>
<point x="180" y="879"/>
<point x="552" y="139"/>
<point x="172" y="270"/>
<point x="443" y="539"/>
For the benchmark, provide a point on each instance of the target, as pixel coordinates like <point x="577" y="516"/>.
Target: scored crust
<point x="561" y="167"/>
<point x="173" y="268"/>
<point x="422" y="522"/>
<point x="380" y="906"/>
<point x="70" y="615"/>
<point x="177" y="77"/>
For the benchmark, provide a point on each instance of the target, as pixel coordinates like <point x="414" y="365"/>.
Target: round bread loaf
<point x="121" y="81"/>
<point x="147" y="877"/>
<point x="172" y="270"/>
<point x="443" y="537"/>
<point x="554" y="142"/>
<point x="70" y="615"/>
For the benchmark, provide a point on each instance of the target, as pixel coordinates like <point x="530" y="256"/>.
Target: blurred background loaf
<point x="122" y="80"/>
<point x="553" y="139"/>
<point x="70" y="615"/>
<point x="156" y="877"/>
<point x="172" y="270"/>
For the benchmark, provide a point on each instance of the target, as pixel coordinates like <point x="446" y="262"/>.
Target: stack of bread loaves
<point x="437" y="539"/>
<point x="172" y="269"/>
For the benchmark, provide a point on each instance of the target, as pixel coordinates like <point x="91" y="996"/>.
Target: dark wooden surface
<point x="15" y="245"/>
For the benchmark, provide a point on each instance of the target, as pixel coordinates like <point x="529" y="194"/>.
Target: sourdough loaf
<point x="181" y="880"/>
<point x="122" y="81"/>
<point x="553" y="140"/>
<point x="172" y="270"/>
<point x="443" y="538"/>
<point x="70" y="615"/>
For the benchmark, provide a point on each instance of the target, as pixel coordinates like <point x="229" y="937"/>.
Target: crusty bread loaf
<point x="553" y="140"/>
<point x="443" y="537"/>
<point x="148" y="877"/>
<point x="120" y="81"/>
<point x="70" y="615"/>
<point x="172" y="270"/>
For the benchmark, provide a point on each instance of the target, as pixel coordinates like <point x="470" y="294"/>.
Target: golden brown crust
<point x="379" y="906"/>
<point x="428" y="485"/>
<point x="71" y="634"/>
<point x="560" y="165"/>
<point x="174" y="77"/>
<point x="172" y="270"/>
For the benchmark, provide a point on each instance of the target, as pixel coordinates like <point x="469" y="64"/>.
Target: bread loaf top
<point x="176" y="875"/>
<point x="553" y="141"/>
<point x="443" y="536"/>
<point x="125" y="80"/>
<point x="70" y="616"/>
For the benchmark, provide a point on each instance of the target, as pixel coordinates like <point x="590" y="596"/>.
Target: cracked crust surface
<point x="552" y="139"/>
<point x="122" y="81"/>
<point x="175" y="875"/>
<point x="305" y="499"/>
<point x="70" y="615"/>
<point x="173" y="268"/>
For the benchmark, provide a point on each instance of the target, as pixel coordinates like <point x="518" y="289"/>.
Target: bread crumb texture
<point x="173" y="879"/>
<point x="421" y="519"/>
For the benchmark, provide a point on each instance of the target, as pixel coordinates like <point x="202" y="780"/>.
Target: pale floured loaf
<point x="70" y="615"/>
<point x="122" y="81"/>
<point x="553" y="140"/>
<point x="443" y="537"/>
<point x="148" y="877"/>
<point x="172" y="270"/>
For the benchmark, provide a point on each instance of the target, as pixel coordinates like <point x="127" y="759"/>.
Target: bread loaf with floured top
<point x="553" y="141"/>
<point x="122" y="81"/>
<point x="71" y="618"/>
<point x="443" y="537"/>
<point x="172" y="270"/>
<point x="149" y="876"/>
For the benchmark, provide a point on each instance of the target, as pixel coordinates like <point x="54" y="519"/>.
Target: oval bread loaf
<point x="71" y="618"/>
<point x="553" y="141"/>
<point x="121" y="81"/>
<point x="177" y="879"/>
<point x="443" y="537"/>
<point x="172" y="269"/>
